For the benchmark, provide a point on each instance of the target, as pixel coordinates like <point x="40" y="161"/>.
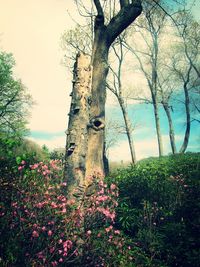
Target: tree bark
<point x="85" y="146"/>
<point x="188" y="120"/>
<point x="104" y="36"/>
<point x="77" y="133"/>
<point x="171" y="128"/>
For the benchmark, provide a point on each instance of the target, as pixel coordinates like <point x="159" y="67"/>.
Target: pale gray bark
<point x="77" y="133"/>
<point x="171" y="127"/>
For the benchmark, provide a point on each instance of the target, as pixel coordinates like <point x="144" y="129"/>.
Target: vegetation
<point x="159" y="206"/>
<point x="147" y="215"/>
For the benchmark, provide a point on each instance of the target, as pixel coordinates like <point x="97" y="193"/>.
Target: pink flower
<point x="67" y="244"/>
<point x="39" y="205"/>
<point x="108" y="229"/>
<point x="60" y="241"/>
<point x="43" y="228"/>
<point x="89" y="232"/>
<point x="113" y="187"/>
<point x="35" y="234"/>
<point x="33" y="167"/>
<point x="54" y="263"/>
<point x="117" y="232"/>
<point x="52" y="249"/>
<point x="23" y="162"/>
<point x="50" y="233"/>
<point x="64" y="184"/>
<point x="45" y="167"/>
<point x="20" y="168"/>
<point x="60" y="260"/>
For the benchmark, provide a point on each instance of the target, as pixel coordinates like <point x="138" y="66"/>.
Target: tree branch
<point x="123" y="19"/>
<point x="98" y="8"/>
<point x="123" y="3"/>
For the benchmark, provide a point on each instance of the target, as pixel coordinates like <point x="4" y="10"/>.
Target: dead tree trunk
<point x="86" y="134"/>
<point x="77" y="133"/>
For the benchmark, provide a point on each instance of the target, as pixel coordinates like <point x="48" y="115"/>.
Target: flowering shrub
<point x="158" y="206"/>
<point x="45" y="228"/>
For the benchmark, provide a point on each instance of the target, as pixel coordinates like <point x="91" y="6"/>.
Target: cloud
<point x="144" y="148"/>
<point x="57" y="142"/>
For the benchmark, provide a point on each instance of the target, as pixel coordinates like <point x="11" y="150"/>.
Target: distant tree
<point x="115" y="85"/>
<point x="149" y="29"/>
<point x="14" y="99"/>
<point x="186" y="66"/>
<point x="14" y="105"/>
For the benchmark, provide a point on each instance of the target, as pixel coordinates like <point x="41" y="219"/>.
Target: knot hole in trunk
<point x="97" y="123"/>
<point x="71" y="148"/>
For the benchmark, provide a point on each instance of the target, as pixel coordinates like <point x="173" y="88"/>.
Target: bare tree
<point x="116" y="88"/>
<point x="149" y="28"/>
<point x="185" y="65"/>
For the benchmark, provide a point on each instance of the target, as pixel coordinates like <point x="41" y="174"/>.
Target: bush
<point x="41" y="227"/>
<point x="159" y="207"/>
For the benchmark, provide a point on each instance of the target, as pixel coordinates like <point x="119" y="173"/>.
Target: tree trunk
<point x="104" y="35"/>
<point x="96" y="130"/>
<point x="171" y="128"/>
<point x="77" y="133"/>
<point x="158" y="131"/>
<point x="128" y="129"/>
<point x="188" y="121"/>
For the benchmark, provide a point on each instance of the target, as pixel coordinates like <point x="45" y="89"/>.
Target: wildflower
<point x="89" y="232"/>
<point x="108" y="229"/>
<point x="35" y="234"/>
<point x="20" y="168"/>
<point x="113" y="187"/>
<point x="50" y="233"/>
<point x="52" y="249"/>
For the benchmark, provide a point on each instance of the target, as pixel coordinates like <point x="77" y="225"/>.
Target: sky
<point x="31" y="30"/>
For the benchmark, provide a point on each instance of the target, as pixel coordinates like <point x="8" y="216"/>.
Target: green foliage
<point x="14" y="104"/>
<point x="14" y="100"/>
<point x="159" y="207"/>
<point x="42" y="227"/>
